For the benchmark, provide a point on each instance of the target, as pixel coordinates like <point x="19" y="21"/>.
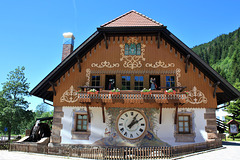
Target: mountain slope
<point x="223" y="54"/>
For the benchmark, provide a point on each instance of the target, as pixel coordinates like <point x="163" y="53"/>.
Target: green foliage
<point x="223" y="54"/>
<point x="13" y="113"/>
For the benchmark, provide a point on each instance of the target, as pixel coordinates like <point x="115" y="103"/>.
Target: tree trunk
<point x="9" y="134"/>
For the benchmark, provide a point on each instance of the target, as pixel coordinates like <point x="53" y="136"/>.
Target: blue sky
<point x="31" y="30"/>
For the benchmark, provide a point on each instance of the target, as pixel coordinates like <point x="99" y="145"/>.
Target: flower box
<point x="146" y="93"/>
<point x="92" y="93"/>
<point x="114" y="93"/>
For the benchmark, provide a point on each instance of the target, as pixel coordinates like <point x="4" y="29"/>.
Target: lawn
<point x="230" y="139"/>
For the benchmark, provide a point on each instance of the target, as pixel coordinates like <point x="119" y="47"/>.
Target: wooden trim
<point x="176" y="113"/>
<point x="105" y="40"/>
<point x="160" y="114"/>
<point x="53" y="87"/>
<point x="88" y="112"/>
<point x="158" y="41"/>
<point x="79" y="61"/>
<point x="186" y="61"/>
<point x="103" y="113"/>
<point x="215" y="85"/>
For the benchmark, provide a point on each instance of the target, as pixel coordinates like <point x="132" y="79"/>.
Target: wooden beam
<point x="79" y="63"/>
<point x="186" y="61"/>
<point x="88" y="112"/>
<point x="176" y="113"/>
<point x="215" y="85"/>
<point x="159" y="37"/>
<point x="105" y="40"/>
<point x="160" y="114"/>
<point x="53" y="87"/>
<point x="103" y="113"/>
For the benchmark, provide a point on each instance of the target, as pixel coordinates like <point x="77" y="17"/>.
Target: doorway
<point x="157" y="81"/>
<point x="110" y="82"/>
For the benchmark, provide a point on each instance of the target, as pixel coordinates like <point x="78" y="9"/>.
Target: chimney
<point x="68" y="44"/>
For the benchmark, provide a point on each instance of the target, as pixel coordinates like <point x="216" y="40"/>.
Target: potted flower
<point x="146" y="91"/>
<point x="79" y="91"/>
<point x="115" y="91"/>
<point x="186" y="92"/>
<point x="92" y="91"/>
<point x="170" y="91"/>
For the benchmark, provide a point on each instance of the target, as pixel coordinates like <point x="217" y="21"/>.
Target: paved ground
<point x="229" y="151"/>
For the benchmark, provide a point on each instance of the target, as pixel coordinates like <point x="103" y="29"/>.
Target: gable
<point x="107" y="35"/>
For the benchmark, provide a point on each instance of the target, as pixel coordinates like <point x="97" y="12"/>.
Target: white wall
<point x="164" y="131"/>
<point x="96" y="126"/>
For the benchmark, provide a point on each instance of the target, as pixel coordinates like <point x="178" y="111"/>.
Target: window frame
<point x="138" y="82"/>
<point x="137" y="47"/>
<point x="95" y="80"/>
<point x="170" y="81"/>
<point x="126" y="82"/>
<point x="76" y="122"/>
<point x="189" y="124"/>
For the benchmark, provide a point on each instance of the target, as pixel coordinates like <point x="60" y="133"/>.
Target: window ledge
<point x="81" y="135"/>
<point x="179" y="137"/>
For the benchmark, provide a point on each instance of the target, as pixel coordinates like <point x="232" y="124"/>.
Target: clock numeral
<point x="120" y="124"/>
<point x="142" y="124"/>
<point x="122" y="118"/>
<point x="131" y="136"/>
<point x="131" y="113"/>
<point x="137" y="134"/>
<point x="122" y="129"/>
<point x="141" y="130"/>
<point x="126" y="114"/>
<point x="125" y="134"/>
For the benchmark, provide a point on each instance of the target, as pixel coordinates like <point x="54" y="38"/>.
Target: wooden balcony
<point x="132" y="96"/>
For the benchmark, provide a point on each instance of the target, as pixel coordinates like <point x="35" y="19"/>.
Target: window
<point x="82" y="122"/>
<point x="133" y="49"/>
<point x="138" y="81"/>
<point x="170" y="81"/>
<point x="184" y="124"/>
<point x="126" y="82"/>
<point x="95" y="80"/>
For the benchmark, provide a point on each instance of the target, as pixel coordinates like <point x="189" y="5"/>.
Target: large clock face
<point x="131" y="124"/>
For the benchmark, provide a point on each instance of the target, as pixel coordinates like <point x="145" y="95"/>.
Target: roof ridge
<point x="129" y="13"/>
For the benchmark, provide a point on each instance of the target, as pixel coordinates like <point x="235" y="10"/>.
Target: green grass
<point x="230" y="139"/>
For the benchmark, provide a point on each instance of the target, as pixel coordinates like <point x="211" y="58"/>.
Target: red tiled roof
<point x="131" y="18"/>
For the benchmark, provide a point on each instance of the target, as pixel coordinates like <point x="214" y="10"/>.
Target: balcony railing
<point x="132" y="96"/>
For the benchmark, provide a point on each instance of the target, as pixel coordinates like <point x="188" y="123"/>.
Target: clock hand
<point x="133" y="122"/>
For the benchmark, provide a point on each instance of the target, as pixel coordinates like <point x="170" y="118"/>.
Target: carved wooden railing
<point x="132" y="97"/>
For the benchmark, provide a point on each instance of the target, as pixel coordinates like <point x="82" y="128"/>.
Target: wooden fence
<point x="117" y="153"/>
<point x="4" y="145"/>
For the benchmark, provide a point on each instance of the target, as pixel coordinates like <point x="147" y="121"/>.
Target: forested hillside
<point x="223" y="54"/>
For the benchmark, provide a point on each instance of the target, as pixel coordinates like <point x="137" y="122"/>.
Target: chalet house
<point x="133" y="52"/>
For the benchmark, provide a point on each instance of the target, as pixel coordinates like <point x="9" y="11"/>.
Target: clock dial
<point x="131" y="124"/>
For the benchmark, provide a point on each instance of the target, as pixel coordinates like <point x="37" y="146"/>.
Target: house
<point x="133" y="52"/>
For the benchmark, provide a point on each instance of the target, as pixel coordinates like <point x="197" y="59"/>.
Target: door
<point x="110" y="82"/>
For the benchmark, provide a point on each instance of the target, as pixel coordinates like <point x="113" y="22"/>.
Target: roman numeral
<point x="131" y="136"/>
<point x="131" y="113"/>
<point x="137" y="134"/>
<point x="122" y="129"/>
<point x="120" y="124"/>
<point x="142" y="124"/>
<point x="126" y="114"/>
<point x="125" y="134"/>
<point x="122" y="119"/>
<point x="141" y="130"/>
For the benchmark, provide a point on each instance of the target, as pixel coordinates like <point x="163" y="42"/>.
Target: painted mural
<point x="111" y="137"/>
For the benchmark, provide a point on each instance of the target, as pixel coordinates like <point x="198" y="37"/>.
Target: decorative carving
<point x="178" y="75"/>
<point x="105" y="64"/>
<point x="196" y="97"/>
<point x="160" y="64"/>
<point x="88" y="72"/>
<point x="70" y="96"/>
<point x="132" y="61"/>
